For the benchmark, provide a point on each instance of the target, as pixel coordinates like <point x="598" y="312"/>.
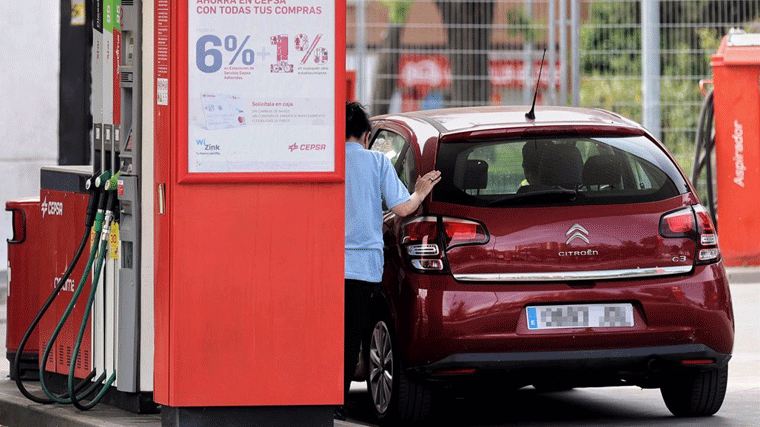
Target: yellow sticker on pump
<point x="113" y="241"/>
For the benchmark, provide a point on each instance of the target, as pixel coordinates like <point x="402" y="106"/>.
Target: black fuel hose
<point x="54" y="336"/>
<point x="89" y="220"/>
<point x="703" y="148"/>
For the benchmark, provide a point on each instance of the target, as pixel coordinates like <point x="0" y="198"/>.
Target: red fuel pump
<point x="736" y="68"/>
<point x="62" y="227"/>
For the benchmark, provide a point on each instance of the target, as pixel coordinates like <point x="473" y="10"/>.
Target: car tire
<point x="696" y="394"/>
<point x="396" y="398"/>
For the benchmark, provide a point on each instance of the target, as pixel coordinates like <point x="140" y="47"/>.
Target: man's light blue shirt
<point x="370" y="179"/>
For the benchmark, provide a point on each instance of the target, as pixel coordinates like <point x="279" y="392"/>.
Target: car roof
<point x="453" y="120"/>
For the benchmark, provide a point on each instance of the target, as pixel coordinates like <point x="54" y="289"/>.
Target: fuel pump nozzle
<point x="100" y="181"/>
<point x="113" y="182"/>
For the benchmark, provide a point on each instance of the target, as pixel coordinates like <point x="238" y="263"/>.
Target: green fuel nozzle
<point x="100" y="181"/>
<point x="113" y="182"/>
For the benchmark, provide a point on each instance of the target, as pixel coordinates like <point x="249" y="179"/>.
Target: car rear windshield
<point x="597" y="170"/>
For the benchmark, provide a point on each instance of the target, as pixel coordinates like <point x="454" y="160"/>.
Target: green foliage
<point x="397" y="10"/>
<point x="611" y="39"/>
<point x="521" y="24"/>
<point x="611" y="67"/>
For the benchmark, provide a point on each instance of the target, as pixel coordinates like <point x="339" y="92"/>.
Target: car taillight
<point x="678" y="224"/>
<point x="708" y="238"/>
<point x="463" y="232"/>
<point x="424" y="239"/>
<point x="693" y="222"/>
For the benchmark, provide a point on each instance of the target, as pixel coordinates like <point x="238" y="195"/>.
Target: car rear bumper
<point x="585" y="359"/>
<point x="447" y="318"/>
<point x="643" y="366"/>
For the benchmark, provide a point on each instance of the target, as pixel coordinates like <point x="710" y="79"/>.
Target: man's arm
<point x="422" y="188"/>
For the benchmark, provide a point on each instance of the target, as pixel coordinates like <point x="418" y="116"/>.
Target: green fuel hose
<point x="99" y="249"/>
<point x="105" y="205"/>
<point x="93" y="251"/>
<point x="92" y="205"/>
<point x="103" y="249"/>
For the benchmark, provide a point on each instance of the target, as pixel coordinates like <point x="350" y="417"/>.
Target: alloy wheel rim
<point x="381" y="367"/>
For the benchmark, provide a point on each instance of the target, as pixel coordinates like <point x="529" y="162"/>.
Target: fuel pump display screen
<point x="261" y="86"/>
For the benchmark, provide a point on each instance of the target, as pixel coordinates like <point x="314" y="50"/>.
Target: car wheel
<point x="395" y="397"/>
<point x="696" y="394"/>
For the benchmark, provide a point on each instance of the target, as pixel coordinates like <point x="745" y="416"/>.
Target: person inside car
<point x="531" y="157"/>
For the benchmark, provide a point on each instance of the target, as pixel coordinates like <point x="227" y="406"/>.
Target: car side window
<point x="395" y="148"/>
<point x="407" y="171"/>
<point x="389" y="143"/>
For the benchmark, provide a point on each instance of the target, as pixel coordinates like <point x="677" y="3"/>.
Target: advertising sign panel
<point x="261" y="86"/>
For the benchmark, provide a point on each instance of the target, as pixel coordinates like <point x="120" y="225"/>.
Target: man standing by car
<point x="370" y="180"/>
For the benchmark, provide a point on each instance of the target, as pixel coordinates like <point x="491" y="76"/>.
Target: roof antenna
<point x="531" y="115"/>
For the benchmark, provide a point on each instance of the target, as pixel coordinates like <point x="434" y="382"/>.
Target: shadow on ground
<point x="581" y="407"/>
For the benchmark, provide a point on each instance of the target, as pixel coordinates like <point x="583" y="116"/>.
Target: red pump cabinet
<point x="249" y="198"/>
<point x="736" y="69"/>
<point x="23" y="284"/>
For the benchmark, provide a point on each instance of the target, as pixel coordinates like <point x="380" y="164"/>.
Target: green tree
<point x="689" y="34"/>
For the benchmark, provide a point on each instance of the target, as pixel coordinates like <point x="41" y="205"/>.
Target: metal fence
<point x="645" y="63"/>
<point x="683" y="35"/>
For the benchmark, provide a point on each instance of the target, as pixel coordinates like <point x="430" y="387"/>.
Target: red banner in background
<point x="425" y="72"/>
<point x="511" y="73"/>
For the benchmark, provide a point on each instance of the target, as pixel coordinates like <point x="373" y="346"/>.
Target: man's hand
<point x="422" y="188"/>
<point x="425" y="184"/>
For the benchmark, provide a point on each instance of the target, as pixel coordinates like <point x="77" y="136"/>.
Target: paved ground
<point x="611" y="406"/>
<point x="618" y="406"/>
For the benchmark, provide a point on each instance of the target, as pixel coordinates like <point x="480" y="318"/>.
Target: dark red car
<point x="560" y="252"/>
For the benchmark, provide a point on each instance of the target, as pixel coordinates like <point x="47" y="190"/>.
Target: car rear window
<point x="598" y="170"/>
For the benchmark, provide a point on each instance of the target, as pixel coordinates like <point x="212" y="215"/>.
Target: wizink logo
<point x="207" y="147"/>
<point x="51" y="208"/>
<point x="738" y="159"/>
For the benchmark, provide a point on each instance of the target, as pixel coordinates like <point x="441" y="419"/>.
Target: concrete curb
<point x="3" y="285"/>
<point x="16" y="410"/>
<point x="743" y="275"/>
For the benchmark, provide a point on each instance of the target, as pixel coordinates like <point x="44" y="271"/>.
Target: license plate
<point x="580" y="316"/>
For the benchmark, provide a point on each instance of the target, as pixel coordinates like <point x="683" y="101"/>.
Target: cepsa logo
<point x="307" y="147"/>
<point x="51" y="208"/>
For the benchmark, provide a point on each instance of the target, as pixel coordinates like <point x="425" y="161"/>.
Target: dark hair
<point x="357" y="120"/>
<point x="531" y="153"/>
